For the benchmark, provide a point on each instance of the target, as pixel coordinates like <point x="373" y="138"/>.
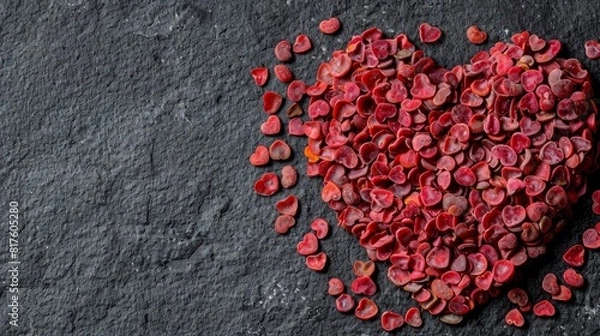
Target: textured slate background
<point x="125" y="131"/>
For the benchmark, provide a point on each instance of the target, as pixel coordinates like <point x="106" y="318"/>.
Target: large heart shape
<point x="451" y="174"/>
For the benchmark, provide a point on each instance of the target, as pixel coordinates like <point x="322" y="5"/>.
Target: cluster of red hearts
<point x="452" y="178"/>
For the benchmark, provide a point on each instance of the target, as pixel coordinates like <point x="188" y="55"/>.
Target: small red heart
<point x="316" y="262"/>
<point x="476" y="35"/>
<point x="429" y="33"/>
<point x="308" y="245"/>
<point x="385" y="111"/>
<point x="302" y="44"/>
<point x="321" y="227"/>
<point x="280" y="150"/>
<point x="329" y="26"/>
<point x="363" y="268"/>
<point x="260" y="157"/>
<point x="271" y="126"/>
<point x="592" y="49"/>
<point x="284" y="223"/>
<point x="591" y="239"/>
<point x="267" y="185"/>
<point x="544" y="309"/>
<point x="422" y="87"/>
<point x="296" y="127"/>
<point x="363" y="285"/>
<point x="413" y="318"/>
<point x="331" y="192"/>
<point x="391" y="321"/>
<point x="287" y="206"/>
<point x="550" y="284"/>
<point x="575" y="256"/>
<point x="514" y="317"/>
<point x="271" y="102"/>
<point x="260" y="75"/>
<point x="536" y="43"/>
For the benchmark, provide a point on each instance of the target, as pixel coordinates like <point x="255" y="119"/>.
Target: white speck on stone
<point x="589" y="311"/>
<point x="277" y="295"/>
<point x="289" y="2"/>
<point x="506" y="31"/>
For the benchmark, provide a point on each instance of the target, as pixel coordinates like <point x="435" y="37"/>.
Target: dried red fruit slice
<point x="271" y="102"/>
<point x="476" y="35"/>
<point x="331" y="192"/>
<point x="438" y="257"/>
<point x="336" y="287"/>
<point x="592" y="49"/>
<point x="308" y="245"/>
<point x="296" y="127"/>
<point x="422" y="87"/>
<point x="287" y="206"/>
<point x="429" y="33"/>
<point x="344" y="303"/>
<point x="293" y="111"/>
<point x="591" y="239"/>
<point x="283" y="73"/>
<point x="442" y="290"/>
<point x="272" y="126"/>
<point x="412" y="317"/>
<point x="284" y="223"/>
<point x="296" y="90"/>
<point x="391" y="321"/>
<point x="550" y="284"/>
<point x="289" y="177"/>
<point x="340" y="65"/>
<point x="279" y="150"/>
<point x="514" y="317"/>
<point x="321" y="227"/>
<point x="317" y="262"/>
<point x="302" y="44"/>
<point x="260" y="157"/>
<point x="363" y="285"/>
<point x="283" y="51"/>
<point x="573" y="279"/>
<point x="518" y="296"/>
<point x="366" y="309"/>
<point x="513" y="215"/>
<point x="575" y="256"/>
<point x="330" y="26"/>
<point x="544" y="308"/>
<point x="451" y="319"/>
<point x="430" y="196"/>
<point x="363" y="268"/>
<point x="596" y="196"/>
<point x="267" y="185"/>
<point x="536" y="43"/>
<point x="465" y="177"/>
<point x="260" y="75"/>
<point x="503" y="271"/>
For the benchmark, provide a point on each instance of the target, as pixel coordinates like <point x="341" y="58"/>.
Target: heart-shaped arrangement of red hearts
<point x="456" y="174"/>
<point x="455" y="177"/>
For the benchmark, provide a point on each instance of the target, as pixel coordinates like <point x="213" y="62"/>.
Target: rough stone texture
<point x="125" y="132"/>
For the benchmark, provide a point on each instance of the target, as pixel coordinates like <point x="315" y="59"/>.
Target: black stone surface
<point x="125" y="131"/>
